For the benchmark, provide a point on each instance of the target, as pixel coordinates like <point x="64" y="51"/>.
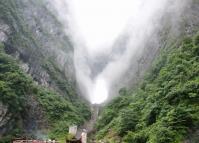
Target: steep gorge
<point x="155" y="102"/>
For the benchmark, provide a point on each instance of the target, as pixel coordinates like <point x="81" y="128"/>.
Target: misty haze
<point x="97" y="26"/>
<point x="99" y="71"/>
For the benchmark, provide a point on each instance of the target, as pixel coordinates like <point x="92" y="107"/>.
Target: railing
<point x="33" y="141"/>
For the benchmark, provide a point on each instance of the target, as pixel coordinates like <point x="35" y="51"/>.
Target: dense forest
<point x="164" y="107"/>
<point x="19" y="92"/>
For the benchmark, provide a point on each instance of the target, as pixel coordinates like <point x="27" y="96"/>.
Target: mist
<point x="108" y="35"/>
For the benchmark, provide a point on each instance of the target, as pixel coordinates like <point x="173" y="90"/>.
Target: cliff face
<point x="160" y="104"/>
<point x="34" y="38"/>
<point x="173" y="27"/>
<point x="37" y="38"/>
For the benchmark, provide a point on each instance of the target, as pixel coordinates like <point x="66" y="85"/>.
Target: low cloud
<point x="108" y="35"/>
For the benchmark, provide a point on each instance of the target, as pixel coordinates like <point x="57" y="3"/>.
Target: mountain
<point x="160" y="105"/>
<point x="38" y="95"/>
<point x="158" y="97"/>
<point x="175" y="24"/>
<point x="164" y="107"/>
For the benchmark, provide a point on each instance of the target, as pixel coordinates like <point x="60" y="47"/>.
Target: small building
<point x="73" y="130"/>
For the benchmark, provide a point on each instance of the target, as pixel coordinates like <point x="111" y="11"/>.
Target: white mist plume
<point x="95" y="25"/>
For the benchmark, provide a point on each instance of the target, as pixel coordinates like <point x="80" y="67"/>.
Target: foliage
<point x="128" y="121"/>
<point x="164" y="108"/>
<point x="61" y="107"/>
<point x="16" y="87"/>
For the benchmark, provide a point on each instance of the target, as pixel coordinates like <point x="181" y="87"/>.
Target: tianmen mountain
<point x="99" y="71"/>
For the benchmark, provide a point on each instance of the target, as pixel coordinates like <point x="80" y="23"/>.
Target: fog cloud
<point x="96" y="26"/>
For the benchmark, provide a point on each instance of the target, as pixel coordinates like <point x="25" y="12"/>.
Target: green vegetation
<point x="60" y="103"/>
<point x="164" y="107"/>
<point x="21" y="35"/>
<point x="15" y="90"/>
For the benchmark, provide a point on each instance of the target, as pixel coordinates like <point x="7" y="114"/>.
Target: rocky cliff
<point x="175" y="25"/>
<point x="160" y="105"/>
<point x="33" y="40"/>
